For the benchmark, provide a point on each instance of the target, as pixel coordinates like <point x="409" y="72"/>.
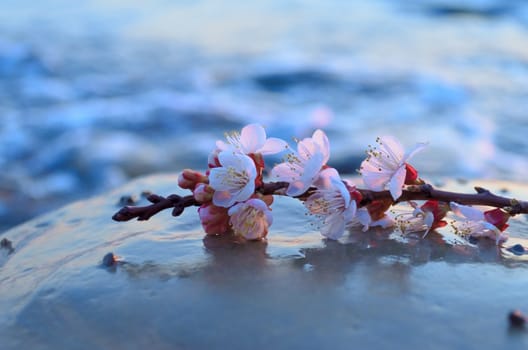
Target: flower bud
<point x="203" y="193"/>
<point x="215" y="220"/>
<point x="411" y="174"/>
<point x="189" y="178"/>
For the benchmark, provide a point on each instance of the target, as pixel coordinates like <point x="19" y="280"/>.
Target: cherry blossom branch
<point x="174" y="201"/>
<point x="428" y="192"/>
<point x="421" y="192"/>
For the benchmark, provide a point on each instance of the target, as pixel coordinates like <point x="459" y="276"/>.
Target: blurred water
<point x="97" y="93"/>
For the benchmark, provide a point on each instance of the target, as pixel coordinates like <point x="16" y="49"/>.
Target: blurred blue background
<point x="97" y="92"/>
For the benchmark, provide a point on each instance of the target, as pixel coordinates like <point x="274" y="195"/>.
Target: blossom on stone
<point x="386" y="166"/>
<point x="250" y="219"/>
<point x="234" y="180"/>
<point x="214" y="219"/>
<point x="301" y="168"/>
<point x="252" y="140"/>
<point x="335" y="203"/>
<point x="428" y="216"/>
<point x="491" y="223"/>
<point x="189" y="178"/>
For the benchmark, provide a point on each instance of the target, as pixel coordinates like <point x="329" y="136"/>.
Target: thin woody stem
<point x="417" y="192"/>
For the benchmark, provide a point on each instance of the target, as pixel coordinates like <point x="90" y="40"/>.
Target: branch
<point x="420" y="192"/>
<point x="425" y="192"/>
<point x="178" y="203"/>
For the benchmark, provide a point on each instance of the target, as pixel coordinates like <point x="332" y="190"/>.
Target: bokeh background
<point x="97" y="92"/>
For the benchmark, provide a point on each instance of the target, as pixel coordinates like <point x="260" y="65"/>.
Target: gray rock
<point x="166" y="285"/>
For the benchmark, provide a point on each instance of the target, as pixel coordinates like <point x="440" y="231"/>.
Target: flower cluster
<point x="233" y="196"/>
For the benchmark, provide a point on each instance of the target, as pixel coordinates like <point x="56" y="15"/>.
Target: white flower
<point x="477" y="223"/>
<point x="302" y="168"/>
<point x="251" y="219"/>
<point x="334" y="204"/>
<point x="234" y="181"/>
<point x="426" y="217"/>
<point x="387" y="166"/>
<point x="252" y="140"/>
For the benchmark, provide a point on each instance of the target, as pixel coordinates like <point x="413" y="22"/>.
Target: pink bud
<point x="189" y="178"/>
<point x="215" y="220"/>
<point x="411" y="174"/>
<point x="203" y="193"/>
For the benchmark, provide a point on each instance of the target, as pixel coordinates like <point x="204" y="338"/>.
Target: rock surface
<point x="167" y="286"/>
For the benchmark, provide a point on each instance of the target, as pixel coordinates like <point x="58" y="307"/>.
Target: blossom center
<point x="235" y="178"/>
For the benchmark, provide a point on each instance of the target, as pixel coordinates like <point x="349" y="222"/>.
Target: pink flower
<point x="387" y="166"/>
<point x="428" y="216"/>
<point x="302" y="168"/>
<point x="215" y="220"/>
<point x="333" y="203"/>
<point x="234" y="181"/>
<point x="490" y="224"/>
<point x="251" y="219"/>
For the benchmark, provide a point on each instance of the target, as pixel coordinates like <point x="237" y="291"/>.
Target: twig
<point x="420" y="192"/>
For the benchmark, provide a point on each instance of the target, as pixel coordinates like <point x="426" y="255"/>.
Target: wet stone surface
<point x="86" y="282"/>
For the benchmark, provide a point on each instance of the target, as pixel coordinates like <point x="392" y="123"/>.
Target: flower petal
<point x="284" y="172"/>
<point x="396" y="183"/>
<point x="364" y="218"/>
<point x="320" y="138"/>
<point x="412" y="152"/>
<point x="392" y="148"/>
<point x="223" y="199"/>
<point x="273" y="145"/>
<point x="334" y="226"/>
<point x="252" y="137"/>
<point x="468" y="212"/>
<point x="324" y="179"/>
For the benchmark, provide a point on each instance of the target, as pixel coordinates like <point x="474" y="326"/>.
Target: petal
<point x="321" y="140"/>
<point x="257" y="204"/>
<point x="223" y="199"/>
<point x="324" y="179"/>
<point x="234" y="209"/>
<point x="312" y="167"/>
<point x="252" y="137"/>
<point x="216" y="179"/>
<point x="306" y="148"/>
<point x="392" y="148"/>
<point x="223" y="146"/>
<point x="373" y="178"/>
<point x="364" y="218"/>
<point x="468" y="212"/>
<point x="384" y="222"/>
<point x="334" y="226"/>
<point x="273" y="145"/>
<point x="350" y="212"/>
<point x="296" y="188"/>
<point x="396" y="183"/>
<point x="428" y="220"/>
<point x="284" y="172"/>
<point x="412" y="152"/>
<point x="340" y="186"/>
<point x="245" y="193"/>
